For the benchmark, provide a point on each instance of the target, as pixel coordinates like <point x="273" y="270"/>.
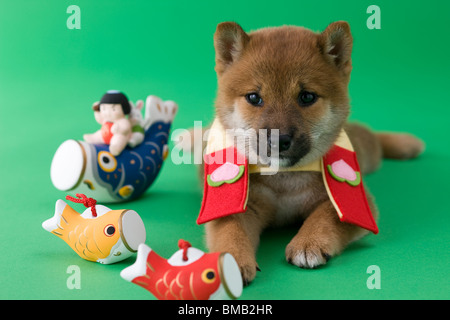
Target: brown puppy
<point x="294" y="80"/>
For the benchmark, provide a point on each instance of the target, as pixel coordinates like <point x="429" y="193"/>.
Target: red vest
<point x="227" y="181"/>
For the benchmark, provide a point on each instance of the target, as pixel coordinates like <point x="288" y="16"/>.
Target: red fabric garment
<point x="228" y="198"/>
<point x="349" y="200"/>
<point x="348" y="197"/>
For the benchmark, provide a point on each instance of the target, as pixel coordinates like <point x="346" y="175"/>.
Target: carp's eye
<point x="208" y="276"/>
<point x="109" y="230"/>
<point x="107" y="161"/>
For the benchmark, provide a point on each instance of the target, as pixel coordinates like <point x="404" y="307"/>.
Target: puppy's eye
<point x="306" y="98"/>
<point x="254" y="99"/>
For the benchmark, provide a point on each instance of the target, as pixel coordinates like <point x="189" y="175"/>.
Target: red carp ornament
<point x="190" y="274"/>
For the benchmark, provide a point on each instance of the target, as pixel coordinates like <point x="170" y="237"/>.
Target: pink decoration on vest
<point x="225" y="172"/>
<point x="343" y="170"/>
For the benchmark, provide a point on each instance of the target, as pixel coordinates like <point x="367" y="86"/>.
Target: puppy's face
<point x="286" y="78"/>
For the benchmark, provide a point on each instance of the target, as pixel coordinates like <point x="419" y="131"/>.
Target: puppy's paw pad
<point x="309" y="260"/>
<point x="308" y="257"/>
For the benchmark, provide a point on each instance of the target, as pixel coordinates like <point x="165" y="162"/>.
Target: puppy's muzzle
<point x="284" y="142"/>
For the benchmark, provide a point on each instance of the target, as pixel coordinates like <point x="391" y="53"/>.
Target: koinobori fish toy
<point x="81" y="167"/>
<point x="99" y="233"/>
<point x="190" y="274"/>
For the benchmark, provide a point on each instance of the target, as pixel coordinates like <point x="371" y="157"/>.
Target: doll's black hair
<point x="117" y="97"/>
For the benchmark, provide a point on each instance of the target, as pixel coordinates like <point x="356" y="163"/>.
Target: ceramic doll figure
<point x="111" y="113"/>
<point x="90" y="168"/>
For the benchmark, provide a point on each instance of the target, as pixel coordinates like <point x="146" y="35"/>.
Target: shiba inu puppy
<point x="294" y="80"/>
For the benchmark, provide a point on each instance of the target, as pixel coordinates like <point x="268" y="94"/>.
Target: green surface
<point x="50" y="76"/>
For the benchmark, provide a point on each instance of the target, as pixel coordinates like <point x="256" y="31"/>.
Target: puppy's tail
<point x="401" y="146"/>
<point x="372" y="146"/>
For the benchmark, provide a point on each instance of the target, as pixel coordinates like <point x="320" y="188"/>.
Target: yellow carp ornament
<point x="99" y="233"/>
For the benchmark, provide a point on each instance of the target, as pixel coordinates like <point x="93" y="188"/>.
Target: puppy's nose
<point x="284" y="142"/>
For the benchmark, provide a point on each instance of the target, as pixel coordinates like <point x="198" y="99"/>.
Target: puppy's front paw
<point x="248" y="268"/>
<point x="306" y="254"/>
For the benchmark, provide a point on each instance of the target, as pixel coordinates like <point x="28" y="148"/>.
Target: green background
<point x="50" y="76"/>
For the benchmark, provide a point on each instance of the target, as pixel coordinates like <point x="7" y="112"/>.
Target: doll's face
<point x="111" y="112"/>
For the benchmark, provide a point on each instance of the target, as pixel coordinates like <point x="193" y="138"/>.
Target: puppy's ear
<point x="229" y="42"/>
<point x="337" y="42"/>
